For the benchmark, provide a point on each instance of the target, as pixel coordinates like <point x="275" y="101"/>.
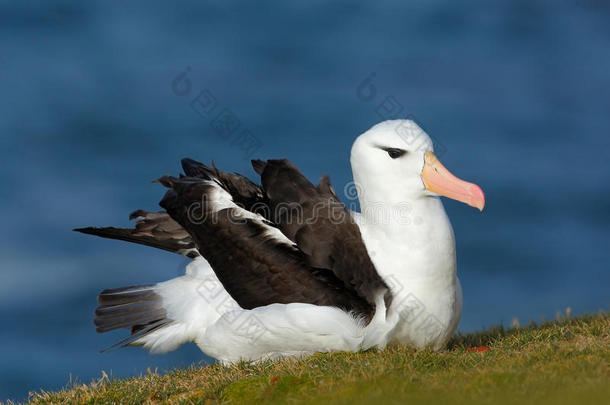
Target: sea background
<point x="516" y="93"/>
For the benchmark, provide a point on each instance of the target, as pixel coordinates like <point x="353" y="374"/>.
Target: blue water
<point x="515" y="92"/>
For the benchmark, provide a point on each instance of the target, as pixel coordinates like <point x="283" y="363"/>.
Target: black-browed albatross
<point x="284" y="269"/>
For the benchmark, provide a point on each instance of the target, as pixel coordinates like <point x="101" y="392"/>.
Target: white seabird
<point x="285" y="270"/>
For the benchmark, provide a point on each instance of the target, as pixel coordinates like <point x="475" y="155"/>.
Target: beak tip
<point x="478" y="197"/>
<point x="439" y="180"/>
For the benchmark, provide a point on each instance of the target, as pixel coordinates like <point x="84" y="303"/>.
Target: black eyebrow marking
<point x="394" y="153"/>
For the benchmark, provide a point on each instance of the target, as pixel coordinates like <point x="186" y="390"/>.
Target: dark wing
<point x="321" y="226"/>
<point x="254" y="261"/>
<point x="156" y="229"/>
<point x="259" y="250"/>
<point x="159" y="230"/>
<point x="244" y="192"/>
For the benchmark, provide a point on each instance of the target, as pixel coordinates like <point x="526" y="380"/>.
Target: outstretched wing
<point x="254" y="261"/>
<point x="156" y="229"/>
<point x="321" y="226"/>
<point x="287" y="241"/>
<point x="159" y="230"/>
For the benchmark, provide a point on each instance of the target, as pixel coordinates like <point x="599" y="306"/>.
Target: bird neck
<point x="413" y="238"/>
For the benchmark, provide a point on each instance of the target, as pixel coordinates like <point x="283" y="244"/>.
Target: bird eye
<point x="395" y="153"/>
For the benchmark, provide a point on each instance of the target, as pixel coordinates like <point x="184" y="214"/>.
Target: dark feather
<point x="245" y="192"/>
<point x="138" y="332"/>
<point x="156" y="229"/>
<point x="326" y="233"/>
<point x="255" y="269"/>
<point x="128" y="307"/>
<point x="137" y="308"/>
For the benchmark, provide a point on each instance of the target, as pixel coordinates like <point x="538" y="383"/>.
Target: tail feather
<point x="163" y="316"/>
<point x="132" y="308"/>
<point x="137" y="333"/>
<point x="126" y="295"/>
<point x="132" y="321"/>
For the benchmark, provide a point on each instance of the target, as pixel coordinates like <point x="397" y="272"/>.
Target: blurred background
<point x="516" y="94"/>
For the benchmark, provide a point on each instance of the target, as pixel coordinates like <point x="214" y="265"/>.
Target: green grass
<point x="558" y="362"/>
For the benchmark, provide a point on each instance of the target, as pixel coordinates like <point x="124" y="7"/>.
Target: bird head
<point x="394" y="161"/>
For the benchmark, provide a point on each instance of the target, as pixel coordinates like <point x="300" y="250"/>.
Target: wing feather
<point x="155" y="229"/>
<point x="283" y="242"/>
<point x="256" y="264"/>
<point x="325" y="232"/>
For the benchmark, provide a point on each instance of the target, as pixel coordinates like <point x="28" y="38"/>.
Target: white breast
<point x="417" y="260"/>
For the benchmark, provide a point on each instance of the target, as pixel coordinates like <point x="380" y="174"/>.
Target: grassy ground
<point x="559" y="362"/>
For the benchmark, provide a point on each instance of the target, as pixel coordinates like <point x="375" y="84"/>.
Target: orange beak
<point x="439" y="180"/>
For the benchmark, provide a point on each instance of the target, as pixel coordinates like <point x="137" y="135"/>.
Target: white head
<point x="394" y="162"/>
